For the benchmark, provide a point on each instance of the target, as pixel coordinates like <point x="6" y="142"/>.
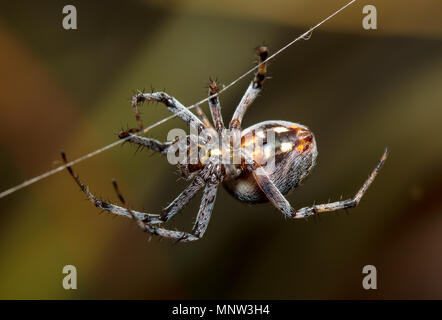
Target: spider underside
<point x="248" y="181"/>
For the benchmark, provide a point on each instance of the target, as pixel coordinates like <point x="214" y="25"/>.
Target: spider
<point x="248" y="180"/>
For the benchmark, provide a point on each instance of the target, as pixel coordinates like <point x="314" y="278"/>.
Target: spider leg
<point x="134" y="103"/>
<point x="183" y="198"/>
<point x="215" y="107"/>
<point x="252" y="91"/>
<point x="152" y="144"/>
<point x="171" y="103"/>
<point x="205" y="210"/>
<point x="109" y="207"/>
<point x="345" y="204"/>
<point x="204" y="119"/>
<point x="273" y="194"/>
<point x="170" y="211"/>
<point x="201" y="223"/>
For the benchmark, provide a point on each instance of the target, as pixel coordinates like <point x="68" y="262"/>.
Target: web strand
<point x="305" y="35"/>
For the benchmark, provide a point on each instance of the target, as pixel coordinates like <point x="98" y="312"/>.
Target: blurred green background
<point x="358" y="90"/>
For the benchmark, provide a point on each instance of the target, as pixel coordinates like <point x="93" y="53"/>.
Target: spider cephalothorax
<point x="260" y="163"/>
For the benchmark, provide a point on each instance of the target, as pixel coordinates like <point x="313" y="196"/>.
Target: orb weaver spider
<point x="249" y="181"/>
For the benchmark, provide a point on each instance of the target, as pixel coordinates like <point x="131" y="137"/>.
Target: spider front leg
<point x="215" y="111"/>
<point x="171" y="103"/>
<point x="279" y="201"/>
<point x="170" y="211"/>
<point x="204" y="118"/>
<point x="252" y="91"/>
<point x="215" y="107"/>
<point x="202" y="220"/>
<point x="109" y="207"/>
<point x="183" y="198"/>
<point x="151" y="144"/>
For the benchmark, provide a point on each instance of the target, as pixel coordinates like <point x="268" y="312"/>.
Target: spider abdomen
<point x="286" y="150"/>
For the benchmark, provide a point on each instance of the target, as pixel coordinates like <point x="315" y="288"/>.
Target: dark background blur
<point x="358" y="90"/>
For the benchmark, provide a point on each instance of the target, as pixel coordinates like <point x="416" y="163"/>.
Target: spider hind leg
<point x="343" y="204"/>
<point x="280" y="202"/>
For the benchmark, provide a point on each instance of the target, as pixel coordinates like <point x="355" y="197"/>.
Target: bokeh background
<point x="358" y="90"/>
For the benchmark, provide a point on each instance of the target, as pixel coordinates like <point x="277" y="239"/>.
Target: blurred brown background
<point x="358" y="90"/>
